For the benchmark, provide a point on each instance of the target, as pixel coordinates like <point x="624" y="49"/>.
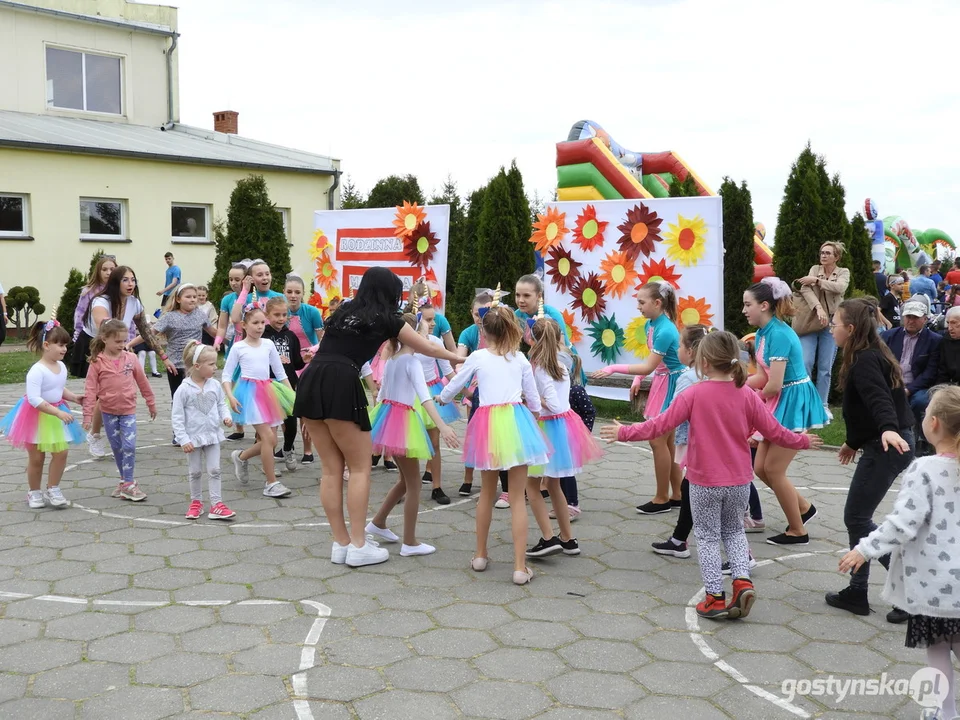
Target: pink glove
<point x="217" y="342"/>
<point x="636" y="381"/>
<point x="621" y="368"/>
<point x="242" y="297"/>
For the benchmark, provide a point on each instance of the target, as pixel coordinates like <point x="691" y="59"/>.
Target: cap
<point x="914" y="308"/>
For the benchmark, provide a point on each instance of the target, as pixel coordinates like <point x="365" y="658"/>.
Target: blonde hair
<point x="838" y="248"/>
<point x="547" y="342"/>
<point x="191" y="348"/>
<point x="276" y="302"/>
<point x="721" y="351"/>
<point x="667" y="296"/>
<point x="109" y="328"/>
<point x="502" y="329"/>
<point x="945" y="407"/>
<point x="173" y="302"/>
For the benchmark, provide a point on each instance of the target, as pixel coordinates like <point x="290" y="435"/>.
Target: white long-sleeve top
<point x="44" y="384"/>
<point x="554" y="394"/>
<point x="429" y="364"/>
<point x="501" y="379"/>
<point x="403" y="381"/>
<point x="198" y="413"/>
<point x="255" y="362"/>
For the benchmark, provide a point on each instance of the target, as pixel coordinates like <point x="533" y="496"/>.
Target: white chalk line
<point x="307" y="660"/>
<point x="6" y="595"/>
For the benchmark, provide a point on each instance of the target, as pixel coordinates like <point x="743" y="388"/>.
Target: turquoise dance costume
<point x="798" y="406"/>
<point x="664" y="340"/>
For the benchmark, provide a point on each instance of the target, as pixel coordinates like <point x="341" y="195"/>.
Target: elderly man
<point x="948" y="369"/>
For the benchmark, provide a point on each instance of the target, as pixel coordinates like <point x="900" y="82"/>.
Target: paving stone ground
<point x="119" y="610"/>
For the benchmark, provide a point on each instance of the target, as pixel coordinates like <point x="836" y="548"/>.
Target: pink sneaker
<point x="195" y="510"/>
<point x="572" y="509"/>
<point x="132" y="492"/>
<point x="220" y="512"/>
<point x="753" y="526"/>
<point x="503" y="501"/>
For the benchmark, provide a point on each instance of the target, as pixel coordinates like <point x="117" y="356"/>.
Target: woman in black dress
<point x="333" y="406"/>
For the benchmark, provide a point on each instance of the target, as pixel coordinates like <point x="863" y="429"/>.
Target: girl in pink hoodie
<point x="113" y="378"/>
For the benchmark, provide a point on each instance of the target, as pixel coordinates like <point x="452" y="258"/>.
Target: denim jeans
<point x="874" y="475"/>
<point x="919" y="400"/>
<point x="819" y="346"/>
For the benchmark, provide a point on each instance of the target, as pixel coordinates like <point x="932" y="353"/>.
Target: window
<point x="189" y="223"/>
<point x="102" y="219"/>
<point x="284" y="214"/>
<point x="13" y="216"/>
<point x="83" y="81"/>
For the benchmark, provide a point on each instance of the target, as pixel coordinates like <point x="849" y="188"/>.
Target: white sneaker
<point x="96" y="445"/>
<point x="829" y="414"/>
<point x="54" y="496"/>
<point x="276" y="490"/>
<point x="241" y="468"/>
<point x="421" y="549"/>
<point x="369" y="554"/>
<point x="35" y="499"/>
<point x="338" y="553"/>
<point x="384" y="534"/>
<point x="290" y="460"/>
<point x="503" y="502"/>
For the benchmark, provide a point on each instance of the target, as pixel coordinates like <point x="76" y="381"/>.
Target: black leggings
<point x="175" y="381"/>
<point x="289" y="433"/>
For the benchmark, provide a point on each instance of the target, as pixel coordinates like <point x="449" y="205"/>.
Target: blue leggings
<point x="121" y="432"/>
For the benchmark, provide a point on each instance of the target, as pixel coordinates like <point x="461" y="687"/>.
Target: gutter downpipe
<point x="330" y="192"/>
<point x="173" y="46"/>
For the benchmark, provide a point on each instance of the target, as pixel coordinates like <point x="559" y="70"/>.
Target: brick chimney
<point x="225" y="121"/>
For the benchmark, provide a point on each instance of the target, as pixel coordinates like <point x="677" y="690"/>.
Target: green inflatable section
<point x="658" y="185"/>
<point x="582" y="174"/>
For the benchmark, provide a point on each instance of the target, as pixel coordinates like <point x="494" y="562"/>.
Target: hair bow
<point x="778" y="287"/>
<point x="49" y="325"/>
<point x="493" y="303"/>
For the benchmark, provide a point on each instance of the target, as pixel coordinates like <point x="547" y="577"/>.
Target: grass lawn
<point x="14" y="366"/>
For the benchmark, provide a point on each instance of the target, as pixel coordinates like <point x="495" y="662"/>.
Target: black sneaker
<point x="652" y="508"/>
<point x="466" y="489"/>
<point x="156" y="374"/>
<point x="676" y="503"/>
<point x="235" y="436"/>
<point x="725" y="568"/>
<point x="376" y="460"/>
<point x="307" y="459"/>
<point x="439" y="496"/>
<point x="570" y="547"/>
<point x="669" y="547"/>
<point x="849" y="599"/>
<point x="546" y="547"/>
<point x="544" y="494"/>
<point x="278" y="455"/>
<point x="809" y="514"/>
<point x="784" y="539"/>
<point x="427" y="478"/>
<point x="388" y="465"/>
<point x="897" y="616"/>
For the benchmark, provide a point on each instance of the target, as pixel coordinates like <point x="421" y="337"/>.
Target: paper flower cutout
<point x="659" y="271"/>
<point x="588" y="232"/>
<point x="326" y="275"/>
<point x="588" y="297"/>
<point x="607" y="338"/>
<point x="640" y="231"/>
<point x="420" y="245"/>
<point x="408" y="217"/>
<point x="693" y="311"/>
<point x="617" y="273"/>
<point x="436" y="297"/>
<point x="549" y="229"/>
<point x="573" y="332"/>
<point x="687" y="240"/>
<point x="562" y="269"/>
<point x="320" y="244"/>
<point x="636" y="337"/>
<point x="316" y="300"/>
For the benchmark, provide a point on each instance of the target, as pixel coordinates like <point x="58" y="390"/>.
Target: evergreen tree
<point x="861" y="258"/>
<point x="684" y="188"/>
<point x="350" y="197"/>
<point x="393" y="190"/>
<point x="449" y="195"/>
<point x="254" y="230"/>
<point x="737" y="252"/>
<point x="94" y="259"/>
<point x="464" y="272"/>
<point x="68" y="301"/>
<point x="800" y="219"/>
<point x="522" y="248"/>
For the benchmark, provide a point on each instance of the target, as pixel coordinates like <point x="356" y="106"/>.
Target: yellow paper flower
<point x="320" y="244"/>
<point x="635" y="339"/>
<point x="407" y="219"/>
<point x="687" y="240"/>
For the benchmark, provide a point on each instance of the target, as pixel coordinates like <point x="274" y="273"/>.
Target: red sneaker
<point x="713" y="606"/>
<point x="195" y="510"/>
<point x="741" y="599"/>
<point x="220" y="512"/>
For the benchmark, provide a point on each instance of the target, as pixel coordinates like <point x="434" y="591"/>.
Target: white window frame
<point x="99" y="237"/>
<point x="205" y="240"/>
<point x="285" y="218"/>
<point x="22" y="234"/>
<point x="83" y="81"/>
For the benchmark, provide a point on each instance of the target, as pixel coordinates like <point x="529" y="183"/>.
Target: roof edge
<point x="133" y="25"/>
<point x="248" y="142"/>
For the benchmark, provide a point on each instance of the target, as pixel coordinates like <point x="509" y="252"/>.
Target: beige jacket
<point x="829" y="291"/>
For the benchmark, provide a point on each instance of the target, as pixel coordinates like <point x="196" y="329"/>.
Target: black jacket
<point x="948" y="368"/>
<point x="926" y="355"/>
<point x="871" y="406"/>
<point x="288" y="345"/>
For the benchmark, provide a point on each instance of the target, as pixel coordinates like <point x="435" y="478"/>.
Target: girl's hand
<point x="217" y="342"/>
<point x="815" y="440"/>
<point x="449" y="437"/>
<point x="438" y="401"/>
<point x="65" y="416"/>
<point x="235" y="405"/>
<point x="851" y="561"/>
<point x="601" y="373"/>
<point x="78" y="399"/>
<point x="171" y="368"/>
<point x="228" y="422"/>
<point x="892" y="439"/>
<point x="188" y="448"/>
<point x="611" y="432"/>
<point x="153" y="414"/>
<point x="846" y="454"/>
<point x="285" y="359"/>
<point x="247" y="283"/>
<point x="307" y="356"/>
<point x="86" y="426"/>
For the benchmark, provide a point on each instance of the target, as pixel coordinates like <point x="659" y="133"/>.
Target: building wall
<point x="25" y="35"/>
<point x="54" y="183"/>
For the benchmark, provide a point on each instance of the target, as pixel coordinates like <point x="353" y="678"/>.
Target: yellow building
<point x="92" y="153"/>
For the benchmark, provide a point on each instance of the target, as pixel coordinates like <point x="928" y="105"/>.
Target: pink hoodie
<point x="114" y="383"/>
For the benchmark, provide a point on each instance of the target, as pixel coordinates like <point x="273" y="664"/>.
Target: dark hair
<point x="112" y="290"/>
<point x="94" y="280"/>
<point x="168" y="254"/>
<point x="862" y="315"/>
<point x="763" y="293"/>
<point x="691" y="335"/>
<point x="36" y="338"/>
<point x="377" y="299"/>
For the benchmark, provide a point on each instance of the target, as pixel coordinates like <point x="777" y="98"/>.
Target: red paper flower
<point x="640" y="231"/>
<point x="588" y="232"/>
<point x="562" y="268"/>
<point x="420" y="245"/>
<point x="588" y="297"/>
<point x="659" y="271"/>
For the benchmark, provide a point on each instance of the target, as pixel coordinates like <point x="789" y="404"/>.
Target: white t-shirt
<point x="44" y="384"/>
<point x="501" y="379"/>
<point x="255" y="362"/>
<point x="133" y="308"/>
<point x="429" y="364"/>
<point x="554" y="394"/>
<point x="403" y="381"/>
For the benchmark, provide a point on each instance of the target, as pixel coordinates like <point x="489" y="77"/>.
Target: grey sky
<point x="736" y="88"/>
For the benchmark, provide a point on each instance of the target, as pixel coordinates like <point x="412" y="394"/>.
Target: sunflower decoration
<point x="640" y="231"/>
<point x="573" y="332"/>
<point x="421" y="245"/>
<point x="326" y="274"/>
<point x="658" y="271"/>
<point x="588" y="296"/>
<point x="693" y="311"/>
<point x="549" y="229"/>
<point x="407" y="219"/>
<point x="607" y="338"/>
<point x="563" y="270"/>
<point x="617" y="273"/>
<point x="588" y="232"/>
<point x="320" y="244"/>
<point x="636" y="337"/>
<point x="687" y="240"/>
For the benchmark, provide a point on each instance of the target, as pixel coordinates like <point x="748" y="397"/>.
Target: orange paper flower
<point x="588" y="232"/>
<point x="693" y="311"/>
<point x="573" y="332"/>
<point x="326" y="274"/>
<point x="687" y="240"/>
<point x="640" y="231"/>
<point x="617" y="273"/>
<point x="588" y="297"/>
<point x="420" y="245"/>
<point x="659" y="271"/>
<point x="562" y="269"/>
<point x="408" y="217"/>
<point x="549" y="229"/>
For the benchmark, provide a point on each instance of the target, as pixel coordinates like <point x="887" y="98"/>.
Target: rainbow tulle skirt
<point x="573" y="445"/>
<point x="449" y="413"/>
<point x="25" y="425"/>
<point x="500" y="437"/>
<point x="262" y="402"/>
<point x="396" y="429"/>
